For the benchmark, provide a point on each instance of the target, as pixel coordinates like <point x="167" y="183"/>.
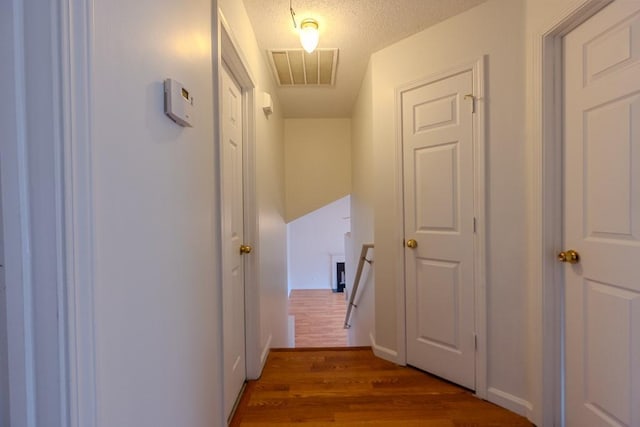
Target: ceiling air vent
<point x="297" y="68"/>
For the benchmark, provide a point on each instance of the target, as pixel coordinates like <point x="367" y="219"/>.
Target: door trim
<point x="546" y="290"/>
<point x="17" y="229"/>
<point x="480" y="300"/>
<point x="68" y="224"/>
<point x="230" y="53"/>
<point x="77" y="67"/>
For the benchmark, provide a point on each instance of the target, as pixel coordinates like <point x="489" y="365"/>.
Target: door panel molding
<point x="478" y="124"/>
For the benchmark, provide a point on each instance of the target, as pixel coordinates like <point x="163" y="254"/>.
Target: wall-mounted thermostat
<point x="178" y="103"/>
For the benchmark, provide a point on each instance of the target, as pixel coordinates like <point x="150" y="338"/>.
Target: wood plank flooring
<point x="351" y="387"/>
<point x="319" y="317"/>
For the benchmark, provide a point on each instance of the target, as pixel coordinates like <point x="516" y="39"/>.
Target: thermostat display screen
<point x="185" y="94"/>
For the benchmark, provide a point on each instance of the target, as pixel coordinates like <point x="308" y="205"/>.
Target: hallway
<point x="352" y="387"/>
<point x="118" y="222"/>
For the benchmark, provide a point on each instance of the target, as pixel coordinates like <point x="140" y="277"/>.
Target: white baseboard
<point x="265" y="353"/>
<point x="383" y="352"/>
<point x="509" y="401"/>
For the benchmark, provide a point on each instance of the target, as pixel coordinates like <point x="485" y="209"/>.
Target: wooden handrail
<point x="356" y="281"/>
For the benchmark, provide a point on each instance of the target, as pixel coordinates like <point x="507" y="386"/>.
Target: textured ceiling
<point x="356" y="27"/>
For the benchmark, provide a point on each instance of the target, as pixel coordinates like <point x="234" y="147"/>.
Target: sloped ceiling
<point x="356" y="27"/>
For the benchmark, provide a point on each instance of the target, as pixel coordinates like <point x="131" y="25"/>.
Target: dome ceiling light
<point x="309" y="32"/>
<point x="309" y="35"/>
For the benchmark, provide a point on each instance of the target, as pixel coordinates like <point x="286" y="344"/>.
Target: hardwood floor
<point x="349" y="387"/>
<point x="319" y="317"/>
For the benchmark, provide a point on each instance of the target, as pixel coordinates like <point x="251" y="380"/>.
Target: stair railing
<point x="356" y="281"/>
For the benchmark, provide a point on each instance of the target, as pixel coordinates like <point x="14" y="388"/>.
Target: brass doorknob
<point x="411" y="243"/>
<point x="570" y="256"/>
<point x="245" y="249"/>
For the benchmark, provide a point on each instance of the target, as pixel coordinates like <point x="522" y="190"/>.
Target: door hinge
<point x="474" y="225"/>
<point x="475" y="342"/>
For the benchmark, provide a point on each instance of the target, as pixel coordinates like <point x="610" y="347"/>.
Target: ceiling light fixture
<point x="309" y="34"/>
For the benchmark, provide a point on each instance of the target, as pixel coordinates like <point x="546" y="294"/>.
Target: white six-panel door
<point x="602" y="218"/>
<point x="437" y="138"/>
<point x="233" y="235"/>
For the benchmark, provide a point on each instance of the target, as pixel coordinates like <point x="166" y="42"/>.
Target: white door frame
<point x="45" y="194"/>
<point x="480" y="299"/>
<point x="76" y="35"/>
<point x="16" y="225"/>
<point x="230" y="53"/>
<point x="547" y="285"/>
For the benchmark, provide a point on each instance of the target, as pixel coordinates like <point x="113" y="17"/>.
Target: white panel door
<point x="602" y="218"/>
<point x="437" y="138"/>
<point x="233" y="315"/>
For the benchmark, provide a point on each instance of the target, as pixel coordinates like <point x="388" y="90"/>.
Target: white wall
<point x="270" y="179"/>
<point x="317" y="163"/>
<point x="362" y="212"/>
<point x="156" y="243"/>
<point x="157" y="216"/>
<point x="312" y="240"/>
<point x="462" y="39"/>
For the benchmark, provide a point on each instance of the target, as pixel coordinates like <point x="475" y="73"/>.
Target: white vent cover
<point x="297" y="68"/>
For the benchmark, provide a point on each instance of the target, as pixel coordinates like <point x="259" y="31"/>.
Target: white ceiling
<point x="356" y="27"/>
